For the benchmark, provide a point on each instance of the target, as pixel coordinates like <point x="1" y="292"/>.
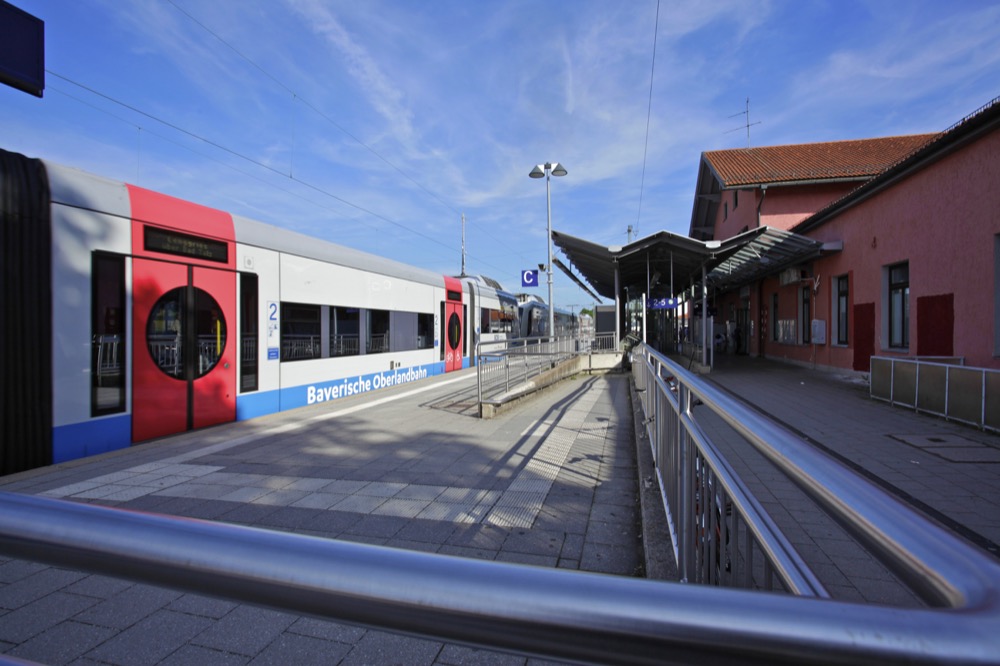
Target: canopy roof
<point x="664" y="259"/>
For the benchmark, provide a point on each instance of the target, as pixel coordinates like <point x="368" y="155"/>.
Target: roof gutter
<point x="808" y="181"/>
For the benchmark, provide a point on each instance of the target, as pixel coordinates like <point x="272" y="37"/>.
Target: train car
<point x="498" y="317"/>
<point x="138" y="315"/>
<point x="533" y="319"/>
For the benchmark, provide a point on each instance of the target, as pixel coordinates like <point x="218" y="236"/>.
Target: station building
<point x="827" y="254"/>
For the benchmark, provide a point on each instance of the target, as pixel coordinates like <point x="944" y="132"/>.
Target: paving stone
<point x="245" y="630"/>
<point x="63" y="643"/>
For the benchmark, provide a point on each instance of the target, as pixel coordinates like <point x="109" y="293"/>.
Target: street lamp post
<point x="543" y="171"/>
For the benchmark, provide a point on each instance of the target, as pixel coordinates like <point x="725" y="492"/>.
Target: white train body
<point x="160" y="316"/>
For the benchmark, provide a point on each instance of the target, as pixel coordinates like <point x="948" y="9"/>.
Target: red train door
<point x="184" y="358"/>
<point x="183" y="316"/>
<point x="452" y="325"/>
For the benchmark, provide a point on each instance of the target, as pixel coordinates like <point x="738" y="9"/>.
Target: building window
<point x="806" y="311"/>
<point x="841" y="307"/>
<point x="899" y="306"/>
<point x="775" y="333"/>
<point x="996" y="295"/>
<point x="736" y="199"/>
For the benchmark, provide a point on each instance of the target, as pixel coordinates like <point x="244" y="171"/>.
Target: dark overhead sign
<point x="22" y="50"/>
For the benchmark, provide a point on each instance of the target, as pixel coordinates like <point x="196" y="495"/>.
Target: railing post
<point x="685" y="486"/>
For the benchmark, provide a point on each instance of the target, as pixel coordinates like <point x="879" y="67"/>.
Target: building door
<point x="184" y="356"/>
<point x="741" y="334"/>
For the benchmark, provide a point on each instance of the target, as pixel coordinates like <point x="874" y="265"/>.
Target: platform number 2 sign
<point x="273" y="332"/>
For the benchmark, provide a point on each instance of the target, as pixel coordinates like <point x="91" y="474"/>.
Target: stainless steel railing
<point x="561" y="614"/>
<point x="504" y="366"/>
<point x="551" y="613"/>
<point x="721" y="534"/>
<point x="942" y="569"/>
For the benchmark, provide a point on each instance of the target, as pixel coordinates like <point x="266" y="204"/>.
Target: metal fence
<point x="507" y="367"/>
<point x="940" y="387"/>
<point x="602" y="342"/>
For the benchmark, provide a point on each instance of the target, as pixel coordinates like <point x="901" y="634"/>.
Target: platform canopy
<point x="665" y="258"/>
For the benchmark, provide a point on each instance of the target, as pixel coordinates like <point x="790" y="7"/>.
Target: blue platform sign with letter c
<point x="529" y="278"/>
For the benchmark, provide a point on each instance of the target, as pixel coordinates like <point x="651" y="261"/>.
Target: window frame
<point x="99" y="325"/>
<point x="288" y="321"/>
<point x="775" y="333"/>
<point x="805" y="313"/>
<point x="896" y="285"/>
<point x="841" y="307"/>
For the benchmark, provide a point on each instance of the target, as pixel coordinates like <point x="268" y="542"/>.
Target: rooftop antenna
<point x="748" y="123"/>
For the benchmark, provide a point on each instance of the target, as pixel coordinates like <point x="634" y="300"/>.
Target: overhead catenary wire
<point x="325" y="116"/>
<point x="249" y="159"/>
<point x="649" y="113"/>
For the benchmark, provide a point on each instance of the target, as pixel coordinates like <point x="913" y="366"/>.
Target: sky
<point x="380" y="124"/>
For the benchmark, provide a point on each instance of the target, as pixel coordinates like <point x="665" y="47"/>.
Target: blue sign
<point x="529" y="278"/>
<point x="663" y="303"/>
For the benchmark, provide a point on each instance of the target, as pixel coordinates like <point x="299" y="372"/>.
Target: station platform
<point x="552" y="483"/>
<point x="555" y="482"/>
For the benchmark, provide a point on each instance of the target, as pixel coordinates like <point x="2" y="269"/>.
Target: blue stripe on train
<point x="91" y="438"/>
<point x="96" y="436"/>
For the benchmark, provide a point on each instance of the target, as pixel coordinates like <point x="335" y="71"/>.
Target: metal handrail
<point x="546" y="612"/>
<point x="718" y="527"/>
<point x="562" y="614"/>
<point x="502" y="366"/>
<point x="941" y="568"/>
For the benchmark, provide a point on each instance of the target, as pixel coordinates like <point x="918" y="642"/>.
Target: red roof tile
<point x="834" y="160"/>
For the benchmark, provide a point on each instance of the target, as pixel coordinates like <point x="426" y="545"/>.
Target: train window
<point x="410" y="330"/>
<point x="378" y="331"/>
<point x="248" y="332"/>
<point x="300" y="332"/>
<point x="454" y="330"/>
<point x="186" y="333"/>
<point x="108" y="334"/>
<point x="497" y="321"/>
<point x="425" y="330"/>
<point x="345" y="331"/>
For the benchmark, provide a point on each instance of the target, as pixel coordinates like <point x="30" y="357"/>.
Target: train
<point x="132" y="315"/>
<point x="533" y="319"/>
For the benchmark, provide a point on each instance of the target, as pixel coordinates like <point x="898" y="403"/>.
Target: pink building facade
<point x="918" y="274"/>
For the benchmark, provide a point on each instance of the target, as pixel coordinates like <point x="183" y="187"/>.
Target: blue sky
<point x="377" y="124"/>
